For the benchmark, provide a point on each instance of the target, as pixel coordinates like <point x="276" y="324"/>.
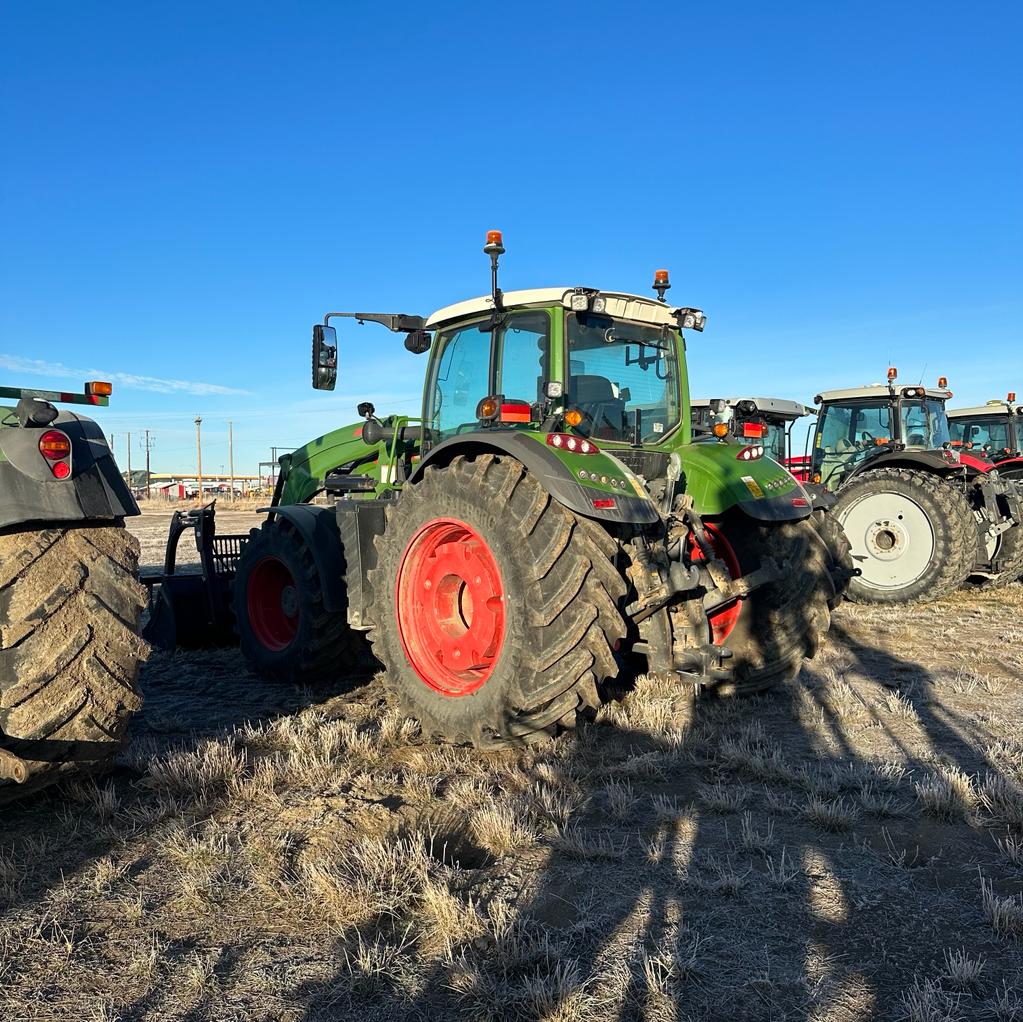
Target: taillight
<point x="575" y="444"/>
<point x="753" y="429"/>
<point x="604" y="503"/>
<point x="54" y="445"/>
<point x="751" y="453"/>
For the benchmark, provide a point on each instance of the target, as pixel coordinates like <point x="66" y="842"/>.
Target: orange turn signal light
<point x="1012" y="396"/>
<point x="892" y="372"/>
<point x="573" y="417"/>
<point x="660" y="276"/>
<point x="720" y="429"/>
<point x="881" y="441"/>
<point x="488" y="408"/>
<point x="942" y="382"/>
<point x="98" y="388"/>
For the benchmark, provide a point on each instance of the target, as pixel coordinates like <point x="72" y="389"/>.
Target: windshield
<point x="924" y="424"/>
<point x="982" y="431"/>
<point x="623" y="377"/>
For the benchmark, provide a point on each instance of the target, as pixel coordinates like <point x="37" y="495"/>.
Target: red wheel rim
<point x="272" y="604"/>
<point x="722" y="620"/>
<point x="449" y="601"/>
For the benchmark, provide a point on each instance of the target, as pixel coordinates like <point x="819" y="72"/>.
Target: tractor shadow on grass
<point x="809" y="854"/>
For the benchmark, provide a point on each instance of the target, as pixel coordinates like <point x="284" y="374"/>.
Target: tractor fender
<point x="318" y="527"/>
<point x="718" y="481"/>
<point x="94" y="491"/>
<point x="554" y="475"/>
<point x="928" y="461"/>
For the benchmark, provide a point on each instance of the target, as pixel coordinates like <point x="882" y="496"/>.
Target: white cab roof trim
<point x="779" y="405"/>
<point x="877" y="391"/>
<point x="997" y="408"/>
<point x="624" y="306"/>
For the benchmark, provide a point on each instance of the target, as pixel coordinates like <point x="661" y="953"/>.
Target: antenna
<point x="923" y="373"/>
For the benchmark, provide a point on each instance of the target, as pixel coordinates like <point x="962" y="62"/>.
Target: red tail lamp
<point x="753" y="429"/>
<point x="61" y="470"/>
<point x="54" y="445"/>
<point x="515" y="411"/>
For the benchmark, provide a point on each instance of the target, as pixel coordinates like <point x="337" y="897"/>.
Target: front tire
<point x="913" y="535"/>
<point x="495" y="610"/>
<point x="70" y="606"/>
<point x="284" y="630"/>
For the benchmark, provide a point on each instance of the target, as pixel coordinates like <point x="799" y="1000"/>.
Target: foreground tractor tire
<point x="913" y="535"/>
<point x="841" y="564"/>
<point x="773" y="629"/>
<point x="70" y="650"/>
<point x="284" y="630"/>
<point x="496" y="610"/>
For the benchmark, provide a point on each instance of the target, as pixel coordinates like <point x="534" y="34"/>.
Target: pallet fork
<point x="192" y="608"/>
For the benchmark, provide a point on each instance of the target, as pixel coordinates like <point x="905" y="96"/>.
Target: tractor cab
<point x="994" y="429"/>
<point x="859" y="425"/>
<point x="760" y="421"/>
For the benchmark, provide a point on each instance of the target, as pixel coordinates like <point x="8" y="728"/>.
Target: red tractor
<point x="993" y="431"/>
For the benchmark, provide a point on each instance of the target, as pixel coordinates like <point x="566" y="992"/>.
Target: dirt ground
<point x="847" y="848"/>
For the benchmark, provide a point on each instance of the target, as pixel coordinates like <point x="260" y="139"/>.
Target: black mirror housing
<point x="417" y="341"/>
<point x="324" y="357"/>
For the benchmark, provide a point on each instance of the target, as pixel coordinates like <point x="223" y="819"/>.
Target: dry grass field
<point x="850" y="847"/>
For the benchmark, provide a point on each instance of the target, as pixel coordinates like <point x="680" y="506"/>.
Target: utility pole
<point x="149" y="447"/>
<point x="198" y="452"/>
<point x="130" y="480"/>
<point x="230" y="455"/>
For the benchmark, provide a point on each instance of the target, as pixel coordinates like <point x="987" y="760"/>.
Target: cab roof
<point x="779" y="406"/>
<point x="623" y="306"/>
<point x="878" y="390"/>
<point x="991" y="408"/>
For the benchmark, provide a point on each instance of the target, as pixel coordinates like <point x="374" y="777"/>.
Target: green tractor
<point x="545" y="525"/>
<point x="70" y="601"/>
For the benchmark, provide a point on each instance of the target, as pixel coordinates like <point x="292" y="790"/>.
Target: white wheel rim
<point x="892" y="539"/>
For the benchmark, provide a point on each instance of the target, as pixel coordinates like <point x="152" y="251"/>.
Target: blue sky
<point x="185" y="189"/>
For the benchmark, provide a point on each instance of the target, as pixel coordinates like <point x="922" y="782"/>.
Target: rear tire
<point x="284" y="630"/>
<point x="783" y="622"/>
<point x="70" y="605"/>
<point x="913" y="535"/>
<point x="546" y="639"/>
<point x="840" y="566"/>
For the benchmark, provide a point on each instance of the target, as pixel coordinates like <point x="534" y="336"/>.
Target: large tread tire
<point x="323" y="646"/>
<point x="839" y="549"/>
<point x="70" y="650"/>
<point x="783" y="622"/>
<point x="561" y="595"/>
<point x="952" y="522"/>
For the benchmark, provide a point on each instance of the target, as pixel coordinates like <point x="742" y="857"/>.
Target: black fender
<point x="29" y="492"/>
<point x="928" y="461"/>
<point x="318" y="527"/>
<point x="549" y="471"/>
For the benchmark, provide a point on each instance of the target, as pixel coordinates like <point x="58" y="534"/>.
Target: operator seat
<point x="595" y="396"/>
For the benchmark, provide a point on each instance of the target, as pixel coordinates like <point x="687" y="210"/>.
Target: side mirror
<point x="417" y="341"/>
<point x="324" y="357"/>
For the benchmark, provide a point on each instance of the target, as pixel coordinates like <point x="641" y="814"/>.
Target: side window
<point x="872" y="422"/>
<point x="462" y="378"/>
<point x="522" y="364"/>
<point x="834" y="434"/>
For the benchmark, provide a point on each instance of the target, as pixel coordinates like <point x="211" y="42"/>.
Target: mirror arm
<point x="397" y="322"/>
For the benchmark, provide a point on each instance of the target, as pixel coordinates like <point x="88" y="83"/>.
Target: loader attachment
<point x="191" y="607"/>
